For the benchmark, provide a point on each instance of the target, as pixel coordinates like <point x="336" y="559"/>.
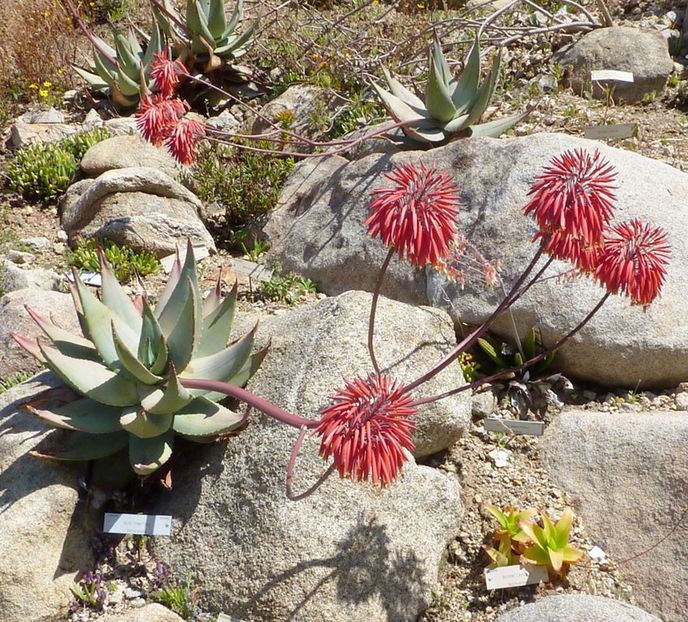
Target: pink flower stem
<point x="511" y="370"/>
<point x="468" y="341"/>
<point x="71" y="9"/>
<point x="270" y="409"/>
<point x="290" y="470"/>
<point x="373" y="309"/>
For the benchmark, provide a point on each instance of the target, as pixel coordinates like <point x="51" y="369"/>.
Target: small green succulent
<point x="125" y="262"/>
<point x="550" y="543"/>
<point x="124" y="71"/>
<point x="452" y="106"/>
<point x="128" y="368"/>
<point x="207" y="37"/>
<point x="510" y="537"/>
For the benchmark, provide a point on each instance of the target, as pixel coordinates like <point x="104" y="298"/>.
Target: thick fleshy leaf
<point x="425" y="132"/>
<point x="217" y="20"/>
<point x="439" y="60"/>
<point x="91" y="378"/>
<point x="143" y="424"/>
<point x="571" y="554"/>
<point x="556" y="558"/>
<point x="83" y="415"/>
<point x="250" y="367"/>
<point x="562" y="529"/>
<point x="149" y="454"/>
<point x="202" y="417"/>
<point x="466" y="87"/>
<point x="30" y="345"/>
<point x="240" y="44"/>
<point x="182" y="336"/>
<point x="456" y="125"/>
<point x="129" y="62"/>
<point x="438" y="99"/>
<point x="217" y="326"/>
<point x="155" y="44"/>
<point x="162" y="359"/>
<point x="485" y="92"/>
<point x="115" y="298"/>
<point x="404" y="94"/>
<point x="67" y="343"/>
<point x="149" y="340"/>
<point x="130" y="363"/>
<point x="128" y="86"/>
<point x="234" y="20"/>
<point x="537" y="555"/>
<point x="84" y="446"/>
<point x="167" y="400"/>
<point x="494" y="129"/>
<point x="534" y="532"/>
<point x="98" y="319"/>
<point x="134" y="42"/>
<point x="398" y="109"/>
<point x="96" y="81"/>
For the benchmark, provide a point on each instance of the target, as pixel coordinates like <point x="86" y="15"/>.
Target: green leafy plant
<point x="180" y="598"/>
<point x="125" y="262"/>
<point x="245" y="183"/>
<point x="89" y="592"/>
<point x="550" y="543"/>
<point x="452" y="106"/>
<point x="44" y="171"/>
<point x="509" y="537"/>
<point x="127" y="369"/>
<point x="13" y="380"/>
<point x="287" y="288"/>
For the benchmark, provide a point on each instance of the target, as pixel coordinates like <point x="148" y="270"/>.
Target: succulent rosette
<point x="126" y="370"/>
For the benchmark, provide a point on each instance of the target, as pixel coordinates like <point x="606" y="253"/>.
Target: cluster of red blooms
<point x="368" y="426"/>
<point x="573" y="203"/>
<point x="161" y="116"/>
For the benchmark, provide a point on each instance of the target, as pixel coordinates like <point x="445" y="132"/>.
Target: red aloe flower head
<point x="634" y="261"/>
<point x="367" y="429"/>
<point x="165" y="72"/>
<point x="417" y="215"/>
<point x="574" y="198"/>
<point x="157" y="116"/>
<point x="183" y="140"/>
<point x="582" y="253"/>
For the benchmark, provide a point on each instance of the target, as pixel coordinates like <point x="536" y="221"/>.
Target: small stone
<point x="483" y="404"/>
<point x="62" y="236"/>
<point x="500" y="457"/>
<point x="131" y="593"/>
<point x="19" y="257"/>
<point x="35" y="243"/>
<point x="682" y="401"/>
<point x="58" y="248"/>
<point x="27" y="210"/>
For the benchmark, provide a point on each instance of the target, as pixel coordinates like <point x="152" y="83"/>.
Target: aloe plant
<point x="127" y="369"/>
<point x="124" y="71"/>
<point x="510" y="537"/>
<point x="452" y="106"/>
<point x="205" y="35"/>
<point x="550" y="543"/>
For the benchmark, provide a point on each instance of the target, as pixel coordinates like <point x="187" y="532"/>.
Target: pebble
<point x="58" y="248"/>
<point x="682" y="400"/>
<point x="62" y="236"/>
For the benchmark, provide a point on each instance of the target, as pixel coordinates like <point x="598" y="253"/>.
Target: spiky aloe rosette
<point x="127" y="369"/>
<point x="452" y="106"/>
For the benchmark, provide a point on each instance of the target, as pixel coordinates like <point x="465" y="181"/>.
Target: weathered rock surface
<point x="316" y="231"/>
<point x="150" y="613"/>
<point x="43" y="541"/>
<point x="14" y="319"/>
<point x="346" y="552"/>
<point x="12" y="277"/>
<point x="126" y="152"/>
<point x="644" y="53"/>
<point x="140" y="207"/>
<point x="630" y="473"/>
<point x="578" y="607"/>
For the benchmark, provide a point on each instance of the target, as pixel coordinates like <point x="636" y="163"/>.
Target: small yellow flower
<point x="33" y="86"/>
<point x="42" y="93"/>
<point x="47" y="84"/>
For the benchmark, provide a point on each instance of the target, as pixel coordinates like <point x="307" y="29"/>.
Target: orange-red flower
<point x="560" y="245"/>
<point x="417" y="215"/>
<point x="183" y="139"/>
<point x="367" y="429"/>
<point x="634" y="261"/>
<point x="157" y="116"/>
<point x="165" y="72"/>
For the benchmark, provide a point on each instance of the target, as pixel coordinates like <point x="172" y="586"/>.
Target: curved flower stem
<point x="270" y="409"/>
<point x="528" y="363"/>
<point x="74" y="14"/>
<point x="373" y="309"/>
<point x="467" y="342"/>
<point x="290" y="470"/>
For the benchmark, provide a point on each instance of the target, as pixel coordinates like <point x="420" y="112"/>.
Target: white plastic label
<point x="611" y="75"/>
<point x="515" y="426"/>
<point x="138" y="524"/>
<point x="514" y="576"/>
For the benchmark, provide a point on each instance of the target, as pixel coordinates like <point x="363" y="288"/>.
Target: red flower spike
<point x="367" y="428"/>
<point x="157" y="116"/>
<point x="634" y="261"/>
<point x="165" y="72"/>
<point x="183" y="139"/>
<point x="574" y="195"/>
<point x="584" y="255"/>
<point x="417" y="215"/>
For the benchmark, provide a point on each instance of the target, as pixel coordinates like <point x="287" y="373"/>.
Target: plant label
<point x="514" y="576"/>
<point x="610" y="75"/>
<point x="619" y="130"/>
<point x="137" y="524"/>
<point x="223" y="617"/>
<point x="251" y="269"/>
<point x="514" y="426"/>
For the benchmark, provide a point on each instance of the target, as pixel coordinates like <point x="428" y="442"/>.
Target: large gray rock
<point x="24" y="134"/>
<point x="150" y="613"/>
<point x="346" y="552"/>
<point x="314" y="347"/>
<point x="140" y="207"/>
<point x="126" y="152"/>
<point x="43" y="538"/>
<point x="630" y="474"/>
<point x="12" y="277"/>
<point x="578" y="608"/>
<point x="317" y="230"/>
<point x="14" y="319"/>
<point x="623" y="48"/>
